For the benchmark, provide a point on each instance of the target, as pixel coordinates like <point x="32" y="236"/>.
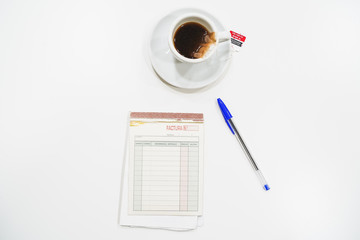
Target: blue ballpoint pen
<point x="227" y="116"/>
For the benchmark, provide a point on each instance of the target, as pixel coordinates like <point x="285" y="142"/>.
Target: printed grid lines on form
<point x="166" y="175"/>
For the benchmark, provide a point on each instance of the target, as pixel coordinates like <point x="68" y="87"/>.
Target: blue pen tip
<point x="267" y="188"/>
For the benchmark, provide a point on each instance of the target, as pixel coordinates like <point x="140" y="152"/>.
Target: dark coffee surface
<point x="189" y="38"/>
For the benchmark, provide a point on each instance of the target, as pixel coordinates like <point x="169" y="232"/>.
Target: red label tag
<point x="237" y="36"/>
<point x="237" y="40"/>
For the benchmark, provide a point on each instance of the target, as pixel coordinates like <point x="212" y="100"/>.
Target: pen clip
<point x="227" y="122"/>
<point x="226" y="114"/>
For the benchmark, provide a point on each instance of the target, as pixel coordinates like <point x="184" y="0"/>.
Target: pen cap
<point x="225" y="112"/>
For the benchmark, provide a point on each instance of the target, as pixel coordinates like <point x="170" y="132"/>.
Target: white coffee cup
<point x="208" y="24"/>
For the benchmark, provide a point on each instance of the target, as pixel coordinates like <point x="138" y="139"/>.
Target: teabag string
<point x="236" y="42"/>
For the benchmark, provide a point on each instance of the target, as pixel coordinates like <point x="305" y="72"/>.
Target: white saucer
<point x="185" y="75"/>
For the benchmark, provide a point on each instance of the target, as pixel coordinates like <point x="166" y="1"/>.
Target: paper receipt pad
<point x="166" y="163"/>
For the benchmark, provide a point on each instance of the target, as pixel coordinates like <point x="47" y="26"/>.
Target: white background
<point x="70" y="71"/>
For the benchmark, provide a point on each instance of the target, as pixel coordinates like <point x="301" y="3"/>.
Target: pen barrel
<point x="244" y="147"/>
<point x="259" y="174"/>
<point x="262" y="180"/>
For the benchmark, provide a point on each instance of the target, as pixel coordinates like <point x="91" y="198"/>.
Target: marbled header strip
<point x="165" y="115"/>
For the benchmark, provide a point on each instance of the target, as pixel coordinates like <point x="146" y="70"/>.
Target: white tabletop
<point x="70" y="71"/>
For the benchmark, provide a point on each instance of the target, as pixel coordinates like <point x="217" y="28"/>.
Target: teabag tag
<point x="237" y="40"/>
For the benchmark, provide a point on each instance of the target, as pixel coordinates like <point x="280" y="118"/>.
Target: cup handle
<point x="223" y="36"/>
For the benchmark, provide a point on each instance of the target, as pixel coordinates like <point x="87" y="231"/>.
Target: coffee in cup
<point x="193" y="40"/>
